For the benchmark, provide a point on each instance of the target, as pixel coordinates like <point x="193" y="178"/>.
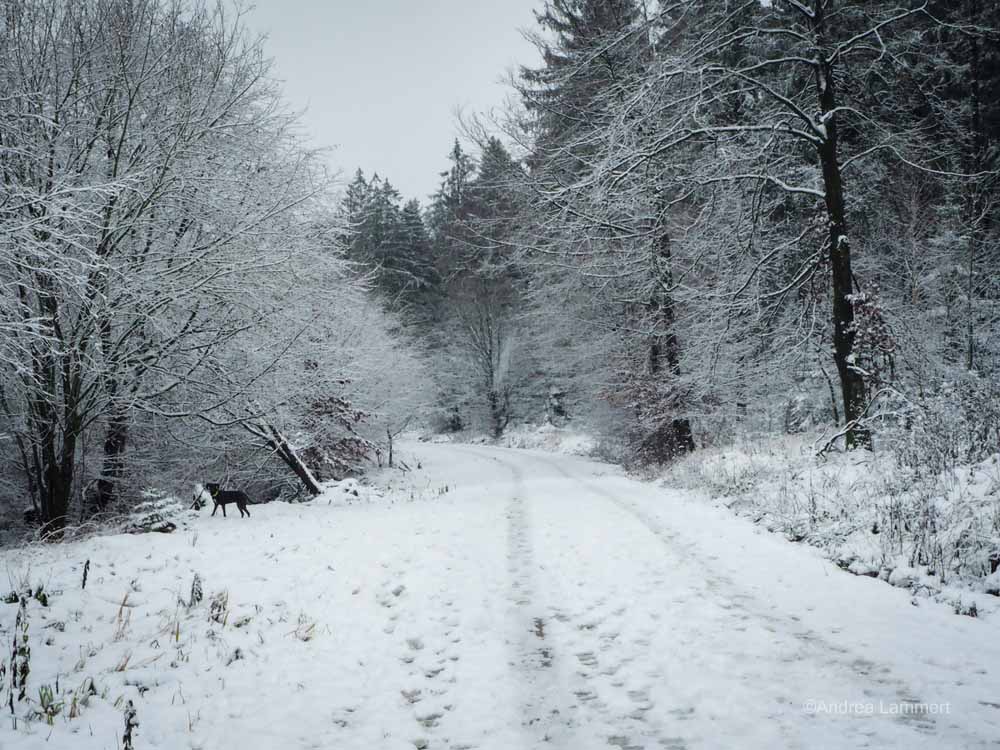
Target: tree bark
<point x="291" y="459"/>
<point x="113" y="468"/>
<point x="672" y="437"/>
<point x="287" y="454"/>
<point x="974" y="201"/>
<point x="852" y="384"/>
<point x="56" y="377"/>
<point x="499" y="411"/>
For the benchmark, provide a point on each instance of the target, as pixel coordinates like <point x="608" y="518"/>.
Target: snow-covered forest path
<point x="501" y="599"/>
<point x="613" y="615"/>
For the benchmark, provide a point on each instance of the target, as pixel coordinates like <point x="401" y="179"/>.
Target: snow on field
<point x="490" y="599"/>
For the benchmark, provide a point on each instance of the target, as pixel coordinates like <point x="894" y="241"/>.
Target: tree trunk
<point x="852" y="384"/>
<point x="672" y="437"/>
<point x="116" y="436"/>
<point x="55" y="457"/>
<point x="58" y="466"/>
<point x="976" y="164"/>
<point x="113" y="468"/>
<point x="291" y="458"/>
<point x="499" y="416"/>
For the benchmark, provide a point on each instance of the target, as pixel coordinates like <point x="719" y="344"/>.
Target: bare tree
<point x="486" y="341"/>
<point x="149" y="157"/>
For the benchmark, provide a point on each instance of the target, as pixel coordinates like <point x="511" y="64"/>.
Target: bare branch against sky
<point x="381" y="81"/>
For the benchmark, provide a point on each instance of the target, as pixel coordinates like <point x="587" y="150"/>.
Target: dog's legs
<point x="223" y="509"/>
<point x="216" y="508"/>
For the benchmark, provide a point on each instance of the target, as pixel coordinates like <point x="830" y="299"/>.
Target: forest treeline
<point x="693" y="217"/>
<point x="709" y="212"/>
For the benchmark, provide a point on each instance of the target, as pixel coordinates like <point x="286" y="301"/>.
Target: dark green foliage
<point x="595" y="43"/>
<point x="389" y="239"/>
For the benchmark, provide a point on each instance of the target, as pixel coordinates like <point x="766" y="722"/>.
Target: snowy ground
<point x="493" y="599"/>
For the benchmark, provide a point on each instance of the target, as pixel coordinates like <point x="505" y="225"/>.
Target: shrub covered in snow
<point x="550" y="438"/>
<point x="934" y="532"/>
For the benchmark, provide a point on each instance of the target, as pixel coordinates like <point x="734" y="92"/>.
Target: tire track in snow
<point x="545" y="704"/>
<point x="562" y="656"/>
<point x="612" y="701"/>
<point x="740" y="606"/>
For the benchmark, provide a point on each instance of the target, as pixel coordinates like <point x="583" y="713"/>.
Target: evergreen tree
<point x="448" y="213"/>
<point x="391" y="240"/>
<point x="472" y="219"/>
<point x="417" y="258"/>
<point x="588" y="47"/>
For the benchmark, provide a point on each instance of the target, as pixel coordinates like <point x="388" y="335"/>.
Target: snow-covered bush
<point x="158" y="513"/>
<point x="870" y="511"/>
<point x="958" y="423"/>
<point x="550" y="438"/>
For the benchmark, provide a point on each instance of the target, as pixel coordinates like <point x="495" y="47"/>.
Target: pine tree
<point x="448" y="213"/>
<point x="392" y="242"/>
<point x="449" y="203"/>
<point x="594" y="45"/>
<point x="423" y="291"/>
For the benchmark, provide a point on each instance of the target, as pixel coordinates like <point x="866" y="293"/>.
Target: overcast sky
<point x="382" y="78"/>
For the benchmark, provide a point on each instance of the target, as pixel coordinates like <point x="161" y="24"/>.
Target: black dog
<point x="221" y="498"/>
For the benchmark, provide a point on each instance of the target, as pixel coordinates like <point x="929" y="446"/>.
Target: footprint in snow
<point x="431" y="720"/>
<point x="623" y="742"/>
